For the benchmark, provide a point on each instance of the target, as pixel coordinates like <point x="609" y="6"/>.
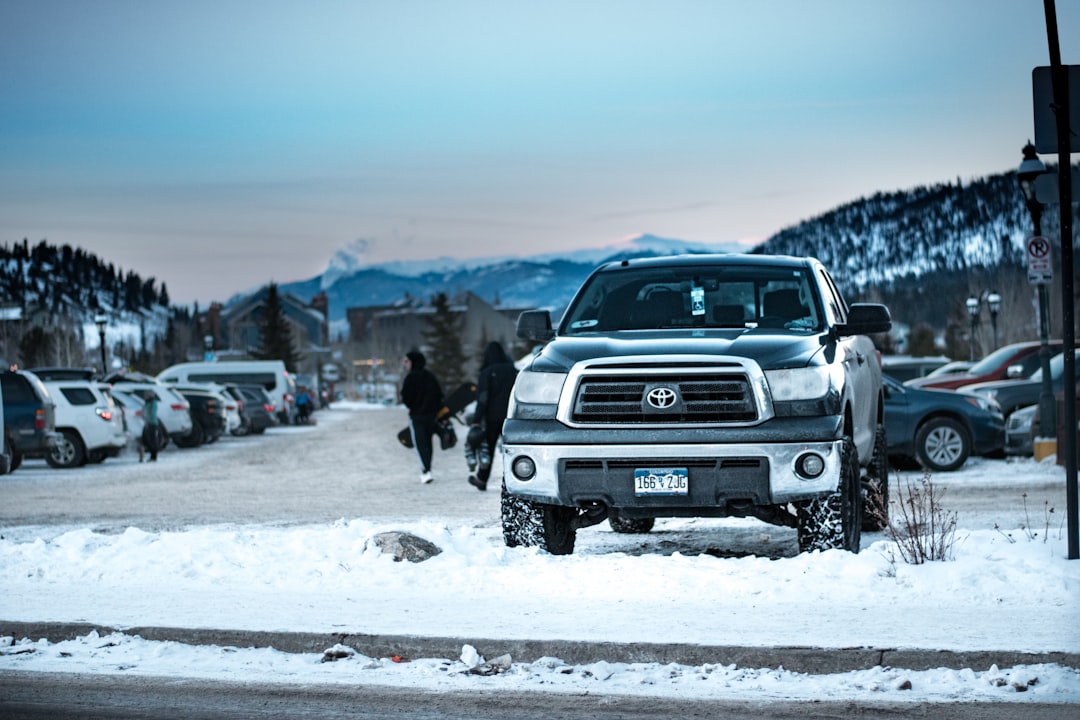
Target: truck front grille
<point x="678" y="399"/>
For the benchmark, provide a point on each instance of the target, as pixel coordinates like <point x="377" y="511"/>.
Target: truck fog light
<point x="523" y="467"/>
<point x="810" y="465"/>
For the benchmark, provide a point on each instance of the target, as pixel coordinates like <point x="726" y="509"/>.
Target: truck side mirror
<point x="1014" y="372"/>
<point x="535" y="325"/>
<point x="866" y="319"/>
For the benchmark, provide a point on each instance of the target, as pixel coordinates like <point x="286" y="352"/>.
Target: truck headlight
<point x="536" y="395"/>
<point x="808" y="383"/>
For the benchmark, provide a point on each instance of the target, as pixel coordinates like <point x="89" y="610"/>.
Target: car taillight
<point x="179" y="406"/>
<point x="39" y="419"/>
<point x="268" y="408"/>
<point x="104" y="413"/>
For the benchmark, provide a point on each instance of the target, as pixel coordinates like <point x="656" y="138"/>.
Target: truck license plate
<point x="661" y="481"/>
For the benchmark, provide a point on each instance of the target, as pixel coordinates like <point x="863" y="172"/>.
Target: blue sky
<point x="219" y="145"/>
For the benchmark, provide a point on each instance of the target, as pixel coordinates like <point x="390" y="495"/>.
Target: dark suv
<point x="207" y="418"/>
<point x="699" y="386"/>
<point x="29" y="415"/>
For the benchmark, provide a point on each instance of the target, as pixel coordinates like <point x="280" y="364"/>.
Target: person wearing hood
<point x="422" y="395"/>
<point x="493" y="389"/>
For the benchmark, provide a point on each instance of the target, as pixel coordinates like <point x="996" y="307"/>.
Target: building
<point x="234" y="332"/>
<point x="380" y="335"/>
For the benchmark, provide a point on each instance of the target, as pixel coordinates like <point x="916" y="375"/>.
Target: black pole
<point x="1060" y="85"/>
<point x="104" y="367"/>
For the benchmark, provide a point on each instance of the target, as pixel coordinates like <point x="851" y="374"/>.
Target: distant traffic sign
<point x="1040" y="260"/>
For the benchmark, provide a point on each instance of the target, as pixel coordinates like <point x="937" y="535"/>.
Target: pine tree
<point x="446" y="357"/>
<point x="275" y="334"/>
<point x="34" y="347"/>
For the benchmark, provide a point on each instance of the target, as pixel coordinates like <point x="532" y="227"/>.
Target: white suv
<point x="89" y="422"/>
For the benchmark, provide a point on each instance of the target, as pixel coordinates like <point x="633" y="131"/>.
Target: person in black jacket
<point x="422" y="395"/>
<point x="497" y="376"/>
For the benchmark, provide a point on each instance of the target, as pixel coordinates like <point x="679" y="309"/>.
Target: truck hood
<point x="770" y="349"/>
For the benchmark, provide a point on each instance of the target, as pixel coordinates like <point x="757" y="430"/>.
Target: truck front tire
<point x="834" y="521"/>
<point x="526" y="523"/>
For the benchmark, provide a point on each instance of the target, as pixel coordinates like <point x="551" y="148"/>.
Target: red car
<point x="1012" y="362"/>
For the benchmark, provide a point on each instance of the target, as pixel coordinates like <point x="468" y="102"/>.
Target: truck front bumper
<point x="719" y="473"/>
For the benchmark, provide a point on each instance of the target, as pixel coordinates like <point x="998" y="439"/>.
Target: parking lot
<point x="349" y="465"/>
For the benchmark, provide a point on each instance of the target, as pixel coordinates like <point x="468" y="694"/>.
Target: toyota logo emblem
<point x="661" y="398"/>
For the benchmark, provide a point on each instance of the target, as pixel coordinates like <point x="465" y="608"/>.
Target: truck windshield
<point x="695" y="297"/>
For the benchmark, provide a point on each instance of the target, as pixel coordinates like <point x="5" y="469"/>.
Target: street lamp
<point x="101" y="321"/>
<point x="993" y="300"/>
<point x="973" y="311"/>
<point x="1031" y="167"/>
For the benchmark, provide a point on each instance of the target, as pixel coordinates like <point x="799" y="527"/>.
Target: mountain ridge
<point x="872" y="244"/>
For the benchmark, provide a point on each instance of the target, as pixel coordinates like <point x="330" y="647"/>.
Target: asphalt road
<point x="33" y="696"/>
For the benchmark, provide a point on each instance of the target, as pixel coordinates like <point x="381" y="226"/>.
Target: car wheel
<point x="68" y="451"/>
<point x="834" y="521"/>
<point x="194" y="438"/>
<point x="16" y="460"/>
<point x="942" y="444"/>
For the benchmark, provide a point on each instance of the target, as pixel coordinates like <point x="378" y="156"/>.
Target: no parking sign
<point x="1040" y="261"/>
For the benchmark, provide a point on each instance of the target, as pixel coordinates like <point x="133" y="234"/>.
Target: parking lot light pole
<point x="1029" y="171"/>
<point x="993" y="301"/>
<point x="973" y="311"/>
<point x="101" y="321"/>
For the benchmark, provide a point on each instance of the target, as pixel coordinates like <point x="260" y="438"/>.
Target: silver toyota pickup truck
<point x="699" y="386"/>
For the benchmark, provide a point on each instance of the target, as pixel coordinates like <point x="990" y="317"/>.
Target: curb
<point x="810" y="660"/>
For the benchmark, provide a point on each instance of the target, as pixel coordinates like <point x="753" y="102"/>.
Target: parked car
<point x="29" y="416"/>
<point x="1020" y="431"/>
<point x="907" y="367"/>
<point x="258" y="409"/>
<point x="950" y="368"/>
<point x="1014" y="362"/>
<point x="1014" y="394"/>
<point x="230" y="403"/>
<point x="208" y="420"/>
<point x="174" y="412"/>
<point x="90" y="425"/>
<point x="939" y="429"/>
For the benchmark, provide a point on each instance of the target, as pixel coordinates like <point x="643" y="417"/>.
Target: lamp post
<point x="973" y="311"/>
<point x="1029" y="171"/>
<point x="101" y="321"/>
<point x="993" y="301"/>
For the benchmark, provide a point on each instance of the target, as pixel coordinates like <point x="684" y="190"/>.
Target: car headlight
<point x="536" y="395"/>
<point x="985" y="402"/>
<point x="808" y="383"/>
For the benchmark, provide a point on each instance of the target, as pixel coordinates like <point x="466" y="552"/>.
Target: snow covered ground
<point x="1007" y="589"/>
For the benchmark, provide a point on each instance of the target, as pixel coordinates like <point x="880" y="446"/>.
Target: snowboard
<point x="452" y="406"/>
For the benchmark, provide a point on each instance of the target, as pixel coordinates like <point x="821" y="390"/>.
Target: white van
<point x="269" y="374"/>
